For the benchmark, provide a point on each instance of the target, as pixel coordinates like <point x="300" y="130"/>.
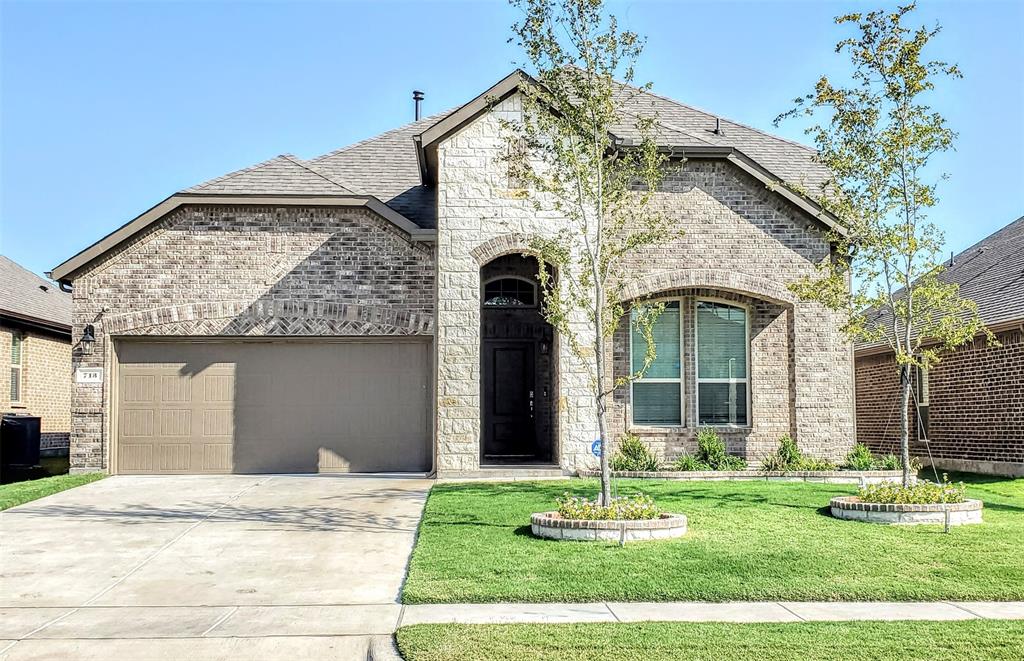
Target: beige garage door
<point x="273" y="407"/>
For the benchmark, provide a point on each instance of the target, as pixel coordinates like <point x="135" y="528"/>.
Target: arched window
<point x="510" y="292"/>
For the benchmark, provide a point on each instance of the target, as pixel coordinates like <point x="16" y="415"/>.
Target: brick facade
<point x="45" y="383"/>
<point x="740" y="239"/>
<point x="209" y="270"/>
<point x="975" y="412"/>
<point x="252" y="271"/>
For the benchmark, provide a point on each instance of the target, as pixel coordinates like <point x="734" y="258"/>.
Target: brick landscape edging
<point x="552" y="526"/>
<point x="831" y="477"/>
<point x="851" y="508"/>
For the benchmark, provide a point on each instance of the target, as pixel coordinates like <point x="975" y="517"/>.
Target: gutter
<point x="36" y="322"/>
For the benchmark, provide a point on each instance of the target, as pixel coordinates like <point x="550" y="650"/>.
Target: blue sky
<point x="108" y="108"/>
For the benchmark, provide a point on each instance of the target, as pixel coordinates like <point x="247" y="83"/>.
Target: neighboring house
<point x="371" y="310"/>
<point x="971" y="405"/>
<point x="35" y="352"/>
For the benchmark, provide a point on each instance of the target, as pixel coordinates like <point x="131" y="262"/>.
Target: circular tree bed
<point x="852" y="508"/>
<point x="552" y="526"/>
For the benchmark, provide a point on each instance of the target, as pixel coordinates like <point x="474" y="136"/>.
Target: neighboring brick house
<point x="35" y="352"/>
<point x="371" y="309"/>
<point x="972" y="402"/>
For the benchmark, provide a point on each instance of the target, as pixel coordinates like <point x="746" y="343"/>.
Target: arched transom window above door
<point x="510" y="292"/>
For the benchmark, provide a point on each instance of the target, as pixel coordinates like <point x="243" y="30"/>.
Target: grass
<point x="747" y="541"/>
<point x="664" y="641"/>
<point x="19" y="493"/>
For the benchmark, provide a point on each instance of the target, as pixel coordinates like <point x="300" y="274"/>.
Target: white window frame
<point x="697" y="380"/>
<point x="483" y="293"/>
<point x="19" y="337"/>
<point x="682" y="385"/>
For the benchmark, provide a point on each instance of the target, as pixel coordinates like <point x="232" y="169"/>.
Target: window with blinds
<point x="17" y="351"/>
<point x="658" y="396"/>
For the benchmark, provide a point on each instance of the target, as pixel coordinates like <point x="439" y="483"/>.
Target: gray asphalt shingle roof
<point x="387" y="166"/>
<point x="991" y="273"/>
<point x="22" y="294"/>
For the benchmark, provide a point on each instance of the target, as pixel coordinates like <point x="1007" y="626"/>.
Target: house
<point x="371" y="310"/>
<point x="35" y="353"/>
<point x="970" y="406"/>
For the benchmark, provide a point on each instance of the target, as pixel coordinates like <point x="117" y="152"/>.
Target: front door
<point x="510" y="431"/>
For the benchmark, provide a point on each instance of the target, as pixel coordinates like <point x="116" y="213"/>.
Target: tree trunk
<point x="905" y="422"/>
<point x="602" y="423"/>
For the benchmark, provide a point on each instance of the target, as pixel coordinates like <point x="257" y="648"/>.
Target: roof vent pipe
<point x="718" y="126"/>
<point x="417" y="96"/>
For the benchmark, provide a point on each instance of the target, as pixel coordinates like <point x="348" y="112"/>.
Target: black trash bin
<point x="19" y="443"/>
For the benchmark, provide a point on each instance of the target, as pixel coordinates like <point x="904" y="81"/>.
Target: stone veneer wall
<point x="739" y="238"/>
<point x="45" y="383"/>
<point x="246" y="271"/>
<point x="976" y="406"/>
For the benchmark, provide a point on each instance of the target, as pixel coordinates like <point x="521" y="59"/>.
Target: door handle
<point x="531" y="403"/>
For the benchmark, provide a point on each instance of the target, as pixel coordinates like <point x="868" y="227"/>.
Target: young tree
<point x="566" y="153"/>
<point x="879" y="139"/>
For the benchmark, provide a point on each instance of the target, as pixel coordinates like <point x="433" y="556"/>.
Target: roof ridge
<point x="436" y="117"/>
<point x="725" y="119"/>
<point x="299" y="162"/>
<point x="229" y="175"/>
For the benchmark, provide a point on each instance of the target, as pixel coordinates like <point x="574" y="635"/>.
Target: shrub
<point x="688" y="462"/>
<point x="814" y="464"/>
<point x="633" y="455"/>
<point x="710" y="447"/>
<point x="788" y="451"/>
<point x="922" y="493"/>
<point x="711" y="453"/>
<point x="774" y="463"/>
<point x="789" y="458"/>
<point x="860" y="458"/>
<point x="890" y="462"/>
<point x="624" y="508"/>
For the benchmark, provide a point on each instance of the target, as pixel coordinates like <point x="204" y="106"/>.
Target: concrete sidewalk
<point x="689" y="611"/>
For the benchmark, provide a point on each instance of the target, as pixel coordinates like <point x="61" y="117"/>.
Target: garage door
<point x="273" y="407"/>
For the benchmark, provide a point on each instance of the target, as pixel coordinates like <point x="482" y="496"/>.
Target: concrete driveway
<point x="207" y="567"/>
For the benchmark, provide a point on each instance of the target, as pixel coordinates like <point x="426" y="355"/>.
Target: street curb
<point x="382" y="648"/>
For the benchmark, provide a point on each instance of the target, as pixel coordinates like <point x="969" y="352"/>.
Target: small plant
<point x="688" y="462"/>
<point x="890" y="462"/>
<point x="633" y="455"/>
<point x="789" y="458"/>
<point x="815" y="464"/>
<point x="711" y="454"/>
<point x="922" y="493"/>
<point x="710" y="447"/>
<point x="788" y="451"/>
<point x="774" y="463"/>
<point x="624" y="508"/>
<point x="860" y="458"/>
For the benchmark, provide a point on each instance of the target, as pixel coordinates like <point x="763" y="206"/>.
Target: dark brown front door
<point x="510" y="431"/>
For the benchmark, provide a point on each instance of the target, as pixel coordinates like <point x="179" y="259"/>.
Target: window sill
<point x="654" y="430"/>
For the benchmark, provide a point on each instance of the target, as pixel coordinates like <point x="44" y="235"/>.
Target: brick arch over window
<point x="740" y="283"/>
<point x="502" y="245"/>
<point x="270" y="317"/>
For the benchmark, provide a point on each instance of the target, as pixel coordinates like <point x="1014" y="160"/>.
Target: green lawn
<point x="747" y="541"/>
<point x="664" y="641"/>
<point x="18" y="493"/>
